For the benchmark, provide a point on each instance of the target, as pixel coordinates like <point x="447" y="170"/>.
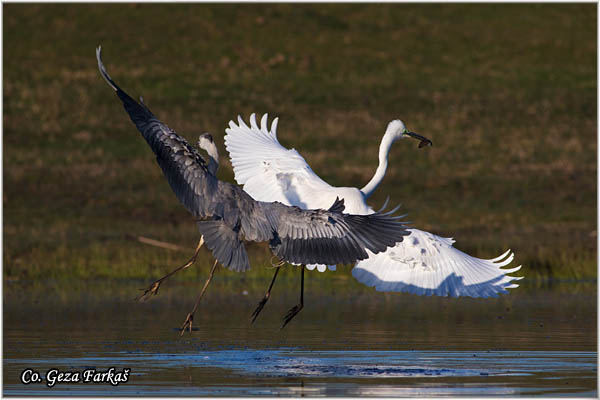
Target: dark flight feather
<point x="227" y="215"/>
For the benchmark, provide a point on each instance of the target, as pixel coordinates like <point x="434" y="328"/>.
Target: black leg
<point x="296" y="309"/>
<point x="190" y="316"/>
<point x="262" y="303"/>
<point x="153" y="289"/>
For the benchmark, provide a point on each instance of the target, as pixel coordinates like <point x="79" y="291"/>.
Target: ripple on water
<point x="477" y="369"/>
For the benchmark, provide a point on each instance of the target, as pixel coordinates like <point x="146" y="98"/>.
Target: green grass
<point x="507" y="93"/>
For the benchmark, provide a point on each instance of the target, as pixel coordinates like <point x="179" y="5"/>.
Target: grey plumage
<point x="226" y="214"/>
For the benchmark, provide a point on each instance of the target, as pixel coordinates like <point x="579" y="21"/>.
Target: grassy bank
<point x="507" y="93"/>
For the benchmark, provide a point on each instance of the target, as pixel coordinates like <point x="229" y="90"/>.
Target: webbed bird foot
<point x="291" y="314"/>
<point x="151" y="290"/>
<point x="187" y="323"/>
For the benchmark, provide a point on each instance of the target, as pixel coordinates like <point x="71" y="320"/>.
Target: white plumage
<point x="422" y="264"/>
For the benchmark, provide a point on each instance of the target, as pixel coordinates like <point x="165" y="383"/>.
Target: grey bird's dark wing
<point x="183" y="166"/>
<point x="305" y="236"/>
<point x="226" y="214"/>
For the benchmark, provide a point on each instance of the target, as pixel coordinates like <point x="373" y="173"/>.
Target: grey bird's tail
<point x="225" y="244"/>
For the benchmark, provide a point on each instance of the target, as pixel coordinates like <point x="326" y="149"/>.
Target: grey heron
<point x="226" y="214"/>
<point x="422" y="264"/>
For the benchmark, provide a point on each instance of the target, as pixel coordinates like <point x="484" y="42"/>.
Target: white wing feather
<point x="422" y="264"/>
<point x="267" y="170"/>
<point x="427" y="264"/>
<point x="270" y="172"/>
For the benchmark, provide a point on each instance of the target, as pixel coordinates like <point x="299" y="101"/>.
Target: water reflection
<point x="342" y="344"/>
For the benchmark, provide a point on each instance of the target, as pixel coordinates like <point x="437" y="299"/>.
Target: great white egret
<point x="226" y="214"/>
<point x="423" y="264"/>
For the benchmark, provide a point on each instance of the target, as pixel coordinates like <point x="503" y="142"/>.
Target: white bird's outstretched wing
<point x="423" y="264"/>
<point x="270" y="172"/>
<point x="427" y="264"/>
<point x="267" y="170"/>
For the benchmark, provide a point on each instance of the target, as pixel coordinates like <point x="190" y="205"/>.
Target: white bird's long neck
<point x="384" y="149"/>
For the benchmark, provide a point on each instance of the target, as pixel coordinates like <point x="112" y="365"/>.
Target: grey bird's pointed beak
<point x="424" y="141"/>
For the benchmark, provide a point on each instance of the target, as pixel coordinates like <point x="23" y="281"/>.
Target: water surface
<point x="344" y="343"/>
